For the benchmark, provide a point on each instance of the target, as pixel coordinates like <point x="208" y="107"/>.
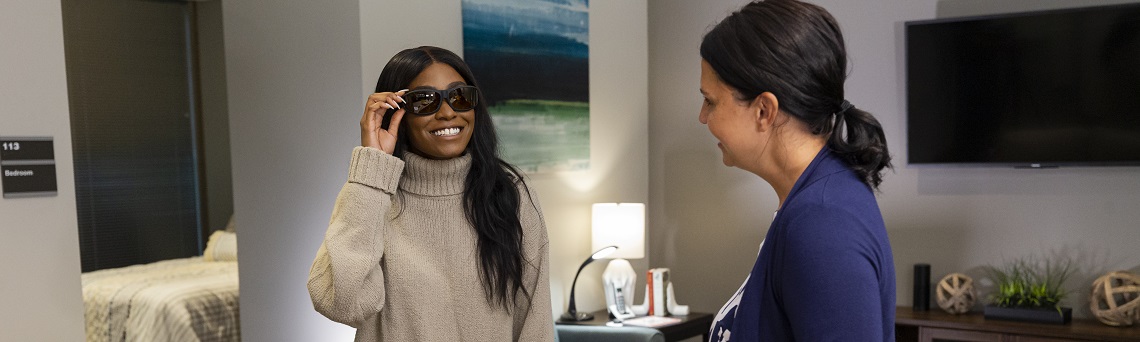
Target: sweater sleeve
<point x="346" y="282"/>
<point x="829" y="277"/>
<point x="533" y="319"/>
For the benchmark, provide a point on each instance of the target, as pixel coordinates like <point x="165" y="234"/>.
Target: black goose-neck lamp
<point x="572" y="315"/>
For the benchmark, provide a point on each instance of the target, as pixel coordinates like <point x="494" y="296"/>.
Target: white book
<point x="660" y="282"/>
<point x="651" y="321"/>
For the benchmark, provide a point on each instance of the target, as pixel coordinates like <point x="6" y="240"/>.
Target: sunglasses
<point x="429" y="101"/>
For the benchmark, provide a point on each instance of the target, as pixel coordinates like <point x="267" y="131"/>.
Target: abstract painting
<point x="531" y="60"/>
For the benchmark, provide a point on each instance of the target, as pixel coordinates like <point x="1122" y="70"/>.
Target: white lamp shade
<point x="622" y="225"/>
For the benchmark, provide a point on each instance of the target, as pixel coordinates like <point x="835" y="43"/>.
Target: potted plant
<point x="1031" y="291"/>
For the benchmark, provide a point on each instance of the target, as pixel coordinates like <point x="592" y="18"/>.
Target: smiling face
<point x="730" y="120"/>
<point x="445" y="134"/>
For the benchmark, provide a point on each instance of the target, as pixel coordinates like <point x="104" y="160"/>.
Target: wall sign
<point x="28" y="167"/>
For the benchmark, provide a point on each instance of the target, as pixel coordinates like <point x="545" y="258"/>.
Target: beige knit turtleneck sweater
<point x="414" y="274"/>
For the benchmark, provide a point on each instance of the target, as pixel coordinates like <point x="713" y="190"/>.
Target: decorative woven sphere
<point x="956" y="293"/>
<point x="1116" y="299"/>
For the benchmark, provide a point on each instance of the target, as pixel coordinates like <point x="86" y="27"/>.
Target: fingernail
<point x="397" y="106"/>
<point x="401" y="90"/>
<point x="389" y="106"/>
<point x="401" y="99"/>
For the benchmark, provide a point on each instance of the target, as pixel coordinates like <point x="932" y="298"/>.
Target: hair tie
<point x="844" y="107"/>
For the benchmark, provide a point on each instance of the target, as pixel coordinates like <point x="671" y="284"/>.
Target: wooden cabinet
<point x="938" y="326"/>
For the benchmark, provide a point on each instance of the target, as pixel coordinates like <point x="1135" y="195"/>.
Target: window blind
<point x="131" y="91"/>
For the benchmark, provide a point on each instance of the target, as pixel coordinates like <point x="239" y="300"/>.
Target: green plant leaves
<point x="1029" y="282"/>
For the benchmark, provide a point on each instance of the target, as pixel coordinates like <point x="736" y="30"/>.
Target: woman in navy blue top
<point x="772" y="77"/>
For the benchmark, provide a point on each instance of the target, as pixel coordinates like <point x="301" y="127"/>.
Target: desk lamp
<point x="572" y="315"/>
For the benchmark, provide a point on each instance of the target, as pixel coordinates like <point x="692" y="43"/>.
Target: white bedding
<point x="173" y="300"/>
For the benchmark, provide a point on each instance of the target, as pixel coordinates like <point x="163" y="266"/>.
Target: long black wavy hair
<point x="795" y="51"/>
<point x="490" y="195"/>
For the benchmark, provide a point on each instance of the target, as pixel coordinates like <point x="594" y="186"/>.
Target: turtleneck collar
<point x="431" y="177"/>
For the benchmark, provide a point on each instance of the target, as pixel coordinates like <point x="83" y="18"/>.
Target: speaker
<point x="921" y="287"/>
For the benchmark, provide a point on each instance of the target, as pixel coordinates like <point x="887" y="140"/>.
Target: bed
<point x="190" y="299"/>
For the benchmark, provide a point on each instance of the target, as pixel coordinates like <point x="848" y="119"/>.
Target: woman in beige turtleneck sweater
<point x="433" y="237"/>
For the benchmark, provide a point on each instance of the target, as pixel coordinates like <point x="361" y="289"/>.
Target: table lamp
<point x="622" y="225"/>
<point x="572" y="314"/>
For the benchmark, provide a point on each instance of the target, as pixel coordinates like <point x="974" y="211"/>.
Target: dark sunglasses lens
<point x="422" y="103"/>
<point x="464" y="98"/>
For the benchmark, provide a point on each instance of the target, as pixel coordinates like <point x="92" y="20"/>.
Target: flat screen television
<point x="1036" y="89"/>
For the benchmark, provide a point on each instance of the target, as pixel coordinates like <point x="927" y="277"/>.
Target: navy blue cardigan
<point x="825" y="272"/>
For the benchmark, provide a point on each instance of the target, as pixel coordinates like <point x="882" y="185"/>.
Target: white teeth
<point x="446" y="131"/>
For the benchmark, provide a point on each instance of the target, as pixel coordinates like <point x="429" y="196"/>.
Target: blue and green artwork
<point x="531" y="59"/>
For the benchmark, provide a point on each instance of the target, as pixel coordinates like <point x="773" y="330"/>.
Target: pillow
<point x="222" y="246"/>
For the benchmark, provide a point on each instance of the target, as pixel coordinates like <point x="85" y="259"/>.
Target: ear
<point x="765" y="106"/>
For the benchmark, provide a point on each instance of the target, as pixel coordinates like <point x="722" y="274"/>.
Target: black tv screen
<point x="1035" y="89"/>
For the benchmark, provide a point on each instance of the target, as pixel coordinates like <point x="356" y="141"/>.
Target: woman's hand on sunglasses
<point x="371" y="135"/>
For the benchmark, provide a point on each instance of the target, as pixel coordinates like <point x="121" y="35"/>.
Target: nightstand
<point x="693" y="324"/>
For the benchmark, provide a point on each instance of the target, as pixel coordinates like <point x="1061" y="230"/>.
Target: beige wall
<point x="40" y="296"/>
<point x="297" y="76"/>
<point x="957" y="219"/>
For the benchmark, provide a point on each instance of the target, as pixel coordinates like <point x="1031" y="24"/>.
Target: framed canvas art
<point x="531" y="59"/>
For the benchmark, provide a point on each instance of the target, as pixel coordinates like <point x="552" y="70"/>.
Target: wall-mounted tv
<point x="1035" y="89"/>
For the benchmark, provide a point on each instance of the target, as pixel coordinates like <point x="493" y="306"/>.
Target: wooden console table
<point x="937" y="325"/>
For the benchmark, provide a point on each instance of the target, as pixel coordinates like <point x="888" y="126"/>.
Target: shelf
<point x="908" y="320"/>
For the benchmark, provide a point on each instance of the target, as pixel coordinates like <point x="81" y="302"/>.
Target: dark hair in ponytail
<point x="490" y="196"/>
<point x="795" y="51"/>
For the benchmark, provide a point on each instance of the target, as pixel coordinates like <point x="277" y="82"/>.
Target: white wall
<point x="40" y="296"/>
<point x="957" y="219"/>
<point x="297" y="78"/>
<point x="292" y="70"/>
